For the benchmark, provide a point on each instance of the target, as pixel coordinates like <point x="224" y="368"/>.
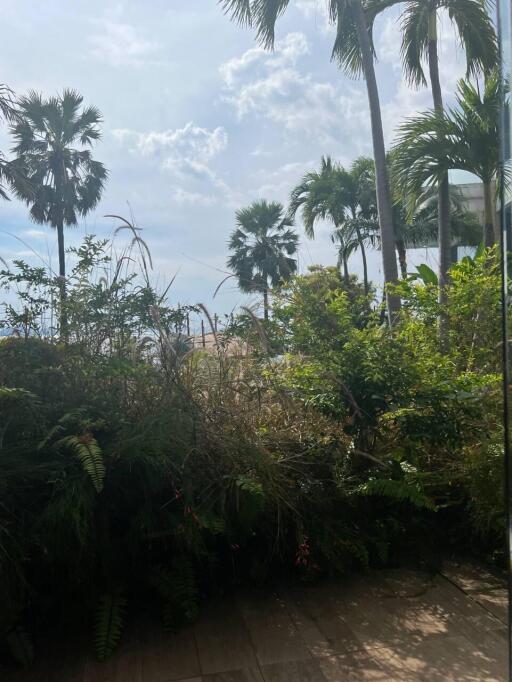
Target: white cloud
<point x="287" y="52"/>
<point x="120" y="44"/>
<point x="183" y="196"/>
<point x="388" y="42"/>
<point x="35" y="234"/>
<point x="273" y="87"/>
<point x="277" y="184"/>
<point x="191" y="144"/>
<point x="186" y="154"/>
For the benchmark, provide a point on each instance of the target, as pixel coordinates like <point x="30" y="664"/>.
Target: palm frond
<point x="239" y="10"/>
<point x="415" y="38"/>
<point x="476" y="33"/>
<point x="262" y="246"/>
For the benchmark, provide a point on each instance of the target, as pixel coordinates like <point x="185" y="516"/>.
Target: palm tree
<point x="52" y="140"/>
<point x="477" y="36"/>
<point x="9" y="112"/>
<point x="354" y="52"/>
<point x="347" y="241"/>
<point x="422" y="228"/>
<point x="411" y="230"/>
<point x="263" y="245"/>
<point x="343" y="198"/>
<point x="465" y="138"/>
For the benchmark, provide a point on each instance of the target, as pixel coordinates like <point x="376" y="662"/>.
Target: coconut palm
<point x="342" y="197"/>
<point x="465" y="138"/>
<point x="52" y="140"/>
<point x="263" y="245"/>
<point x="354" y="52"/>
<point x="476" y="35"/>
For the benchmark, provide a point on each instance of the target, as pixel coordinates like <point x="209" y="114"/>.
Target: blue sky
<point x="200" y="121"/>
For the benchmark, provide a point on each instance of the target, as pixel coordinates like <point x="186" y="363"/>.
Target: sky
<point x="200" y="121"/>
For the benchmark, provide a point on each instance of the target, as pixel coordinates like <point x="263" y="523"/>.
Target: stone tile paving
<point x="386" y="625"/>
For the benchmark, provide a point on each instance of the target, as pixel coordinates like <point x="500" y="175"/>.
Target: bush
<point x="138" y="471"/>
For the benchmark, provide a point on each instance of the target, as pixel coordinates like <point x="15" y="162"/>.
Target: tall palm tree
<point x="263" y="245"/>
<point x="354" y="52"/>
<point x="464" y="138"/>
<point x="52" y="150"/>
<point x="342" y="197"/>
<point x="476" y="34"/>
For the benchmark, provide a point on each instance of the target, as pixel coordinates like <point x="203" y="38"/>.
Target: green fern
<point x="71" y="418"/>
<point x="178" y="591"/>
<point x="21" y="646"/>
<point x="401" y="491"/>
<point x="90" y="455"/>
<point x="109" y="624"/>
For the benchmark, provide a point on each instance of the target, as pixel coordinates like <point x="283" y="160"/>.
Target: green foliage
<point x="401" y="491"/>
<point x="64" y="180"/>
<point x="426" y="274"/>
<point x="262" y="246"/>
<point x="21" y="646"/>
<point x="178" y="592"/>
<point x="464" y="138"/>
<point x="89" y="453"/>
<point x="484" y="474"/>
<point x="109" y="624"/>
<point x="333" y="445"/>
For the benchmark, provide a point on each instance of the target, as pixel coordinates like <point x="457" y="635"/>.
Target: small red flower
<point x="303" y="553"/>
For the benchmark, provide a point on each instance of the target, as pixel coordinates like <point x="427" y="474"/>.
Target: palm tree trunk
<point x="489" y="215"/>
<point x="62" y="260"/>
<point x="265" y="304"/>
<point x="346" y="276"/>
<point x="381" y="171"/>
<point x="363" y="258"/>
<point x="444" y="236"/>
<point x="62" y="255"/>
<point x="402" y="258"/>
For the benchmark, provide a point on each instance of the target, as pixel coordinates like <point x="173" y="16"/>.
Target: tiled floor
<point x="391" y="625"/>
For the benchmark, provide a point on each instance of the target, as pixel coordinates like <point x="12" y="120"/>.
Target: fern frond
<point x="177" y="588"/>
<point x="21" y="646"/>
<point x="109" y="624"/>
<point x="400" y="491"/>
<point x="89" y="453"/>
<point x="69" y="419"/>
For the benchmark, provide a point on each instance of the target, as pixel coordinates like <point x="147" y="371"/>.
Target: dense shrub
<point x="137" y="471"/>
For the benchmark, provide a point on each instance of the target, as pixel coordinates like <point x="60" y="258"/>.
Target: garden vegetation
<point x="139" y="473"/>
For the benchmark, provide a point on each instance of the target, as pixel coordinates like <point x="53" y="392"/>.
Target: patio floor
<point x="387" y="625"/>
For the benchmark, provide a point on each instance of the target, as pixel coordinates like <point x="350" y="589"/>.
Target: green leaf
<point x="178" y="591"/>
<point x="90" y="455"/>
<point x="21" y="646"/>
<point x="109" y="624"/>
<point x="427" y="275"/>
